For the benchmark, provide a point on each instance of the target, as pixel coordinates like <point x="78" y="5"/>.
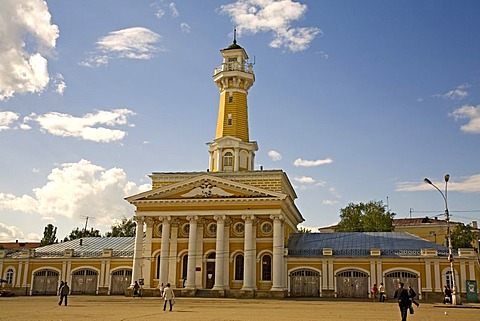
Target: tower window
<point x="228" y="162"/>
<point x="229" y="120"/>
<point x="230" y="98"/>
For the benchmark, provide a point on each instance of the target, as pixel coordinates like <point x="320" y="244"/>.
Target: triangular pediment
<point x="205" y="187"/>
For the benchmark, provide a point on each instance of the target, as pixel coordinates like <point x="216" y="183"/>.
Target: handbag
<point x="411" y="310"/>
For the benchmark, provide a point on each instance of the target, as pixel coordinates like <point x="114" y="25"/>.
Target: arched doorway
<point x="210" y="271"/>
<point x="84" y="282"/>
<point x="393" y="278"/>
<point x="45" y="282"/>
<point x="352" y="284"/>
<point x="121" y="280"/>
<point x="305" y="283"/>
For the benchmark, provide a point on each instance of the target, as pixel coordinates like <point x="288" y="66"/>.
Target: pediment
<point x="205" y="187"/>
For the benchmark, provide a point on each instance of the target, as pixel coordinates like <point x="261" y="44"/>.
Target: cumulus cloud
<point x="468" y="112"/>
<point x="173" y="10"/>
<point x="59" y="84"/>
<point x="470" y="184"/>
<point x="309" y="163"/>
<point x="274" y="155"/>
<point x="10" y="233"/>
<point x="89" y="127"/>
<point x="78" y="189"/>
<point x="458" y="93"/>
<point x="7" y="120"/>
<point x="185" y="27"/>
<point x="253" y="16"/>
<point x="131" y="43"/>
<point x="305" y="180"/>
<point x="27" y="37"/>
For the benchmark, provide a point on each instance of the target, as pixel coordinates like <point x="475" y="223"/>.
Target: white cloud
<point x="305" y="180"/>
<point x="7" y="119"/>
<point x="470" y="184"/>
<point x="329" y="202"/>
<point x="131" y="43"/>
<point x="308" y="163"/>
<point x="185" y="27"/>
<point x="253" y="16"/>
<point x="10" y="233"/>
<point x="274" y="155"/>
<point x="173" y="10"/>
<point x="159" y="13"/>
<point x="458" y="93"/>
<point x="27" y="36"/>
<point x="469" y="112"/>
<point x="86" y="127"/>
<point x="59" y="84"/>
<point x="79" y="189"/>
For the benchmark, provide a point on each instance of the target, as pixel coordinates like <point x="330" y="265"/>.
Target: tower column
<point x="172" y="259"/>
<point x="249" y="255"/>
<point x="219" y="252"/>
<point x="236" y="160"/>
<point x="164" y="250"/>
<point x="137" y="253"/>
<point x="278" y="247"/>
<point x="192" y="237"/>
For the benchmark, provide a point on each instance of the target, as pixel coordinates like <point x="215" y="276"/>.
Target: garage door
<point x="121" y="280"/>
<point x="305" y="283"/>
<point x="393" y="278"/>
<point x="45" y="282"/>
<point x="352" y="284"/>
<point x="84" y="282"/>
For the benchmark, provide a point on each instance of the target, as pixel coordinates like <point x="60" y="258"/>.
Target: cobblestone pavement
<point x="115" y="308"/>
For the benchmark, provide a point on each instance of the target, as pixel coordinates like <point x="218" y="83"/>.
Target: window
<point x="267" y="268"/>
<point x="9" y="276"/>
<point x="239" y="267"/>
<point x="184" y="268"/>
<point x="266" y="228"/>
<point x="229" y="120"/>
<point x="158" y="267"/>
<point x="449" y="279"/>
<point x="186" y="228"/>
<point x="239" y="228"/>
<point x="228" y="162"/>
<point x="212" y="229"/>
<point x="230" y="99"/>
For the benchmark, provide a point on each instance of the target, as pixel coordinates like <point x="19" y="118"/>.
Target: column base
<point x="246" y="294"/>
<point x="188" y="292"/>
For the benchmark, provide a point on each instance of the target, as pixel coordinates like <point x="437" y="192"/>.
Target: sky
<point x="356" y="101"/>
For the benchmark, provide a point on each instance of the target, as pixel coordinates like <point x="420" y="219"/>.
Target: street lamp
<point x="455" y="296"/>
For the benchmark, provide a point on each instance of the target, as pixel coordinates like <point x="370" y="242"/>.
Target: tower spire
<point x="235" y="36"/>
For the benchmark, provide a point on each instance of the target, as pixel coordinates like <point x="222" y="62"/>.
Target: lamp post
<point x="455" y="296"/>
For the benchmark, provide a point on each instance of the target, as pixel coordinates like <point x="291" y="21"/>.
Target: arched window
<point x="184" y="268"/>
<point x="228" y="162"/>
<point x="449" y="279"/>
<point x="239" y="267"/>
<point x="158" y="267"/>
<point x="266" y="268"/>
<point x="9" y="276"/>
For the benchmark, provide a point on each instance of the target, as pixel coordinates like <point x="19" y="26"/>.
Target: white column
<point x="324" y="275"/>
<point x="199" y="273"/>
<point x="25" y="274"/>
<point x="219" y="252"/>
<point x="278" y="247"/>
<point x="220" y="160"/>
<point x="226" y="258"/>
<point x="373" y="277"/>
<point x="102" y="273"/>
<point x="380" y="273"/>
<point x="438" y="279"/>
<point x="172" y="259"/>
<point x="237" y="160"/>
<point x="192" y="237"/>
<point x="137" y="252"/>
<point x="107" y="273"/>
<point x="249" y="255"/>
<point x="428" y="276"/>
<point x="471" y="270"/>
<point x="164" y="250"/>
<point x="331" y="275"/>
<point x="19" y="274"/>
<point x="147" y="253"/>
<point x="63" y="276"/>
<point x="463" y="277"/>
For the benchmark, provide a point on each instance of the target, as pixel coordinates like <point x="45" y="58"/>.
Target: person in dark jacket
<point x="412" y="294"/>
<point x="403" y="300"/>
<point x="64" y="291"/>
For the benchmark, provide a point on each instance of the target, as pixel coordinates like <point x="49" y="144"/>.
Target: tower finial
<point x="235" y="35"/>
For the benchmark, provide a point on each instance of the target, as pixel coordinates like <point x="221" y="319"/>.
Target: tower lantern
<point x="232" y="151"/>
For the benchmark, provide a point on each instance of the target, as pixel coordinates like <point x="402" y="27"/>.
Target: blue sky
<point x="355" y="100"/>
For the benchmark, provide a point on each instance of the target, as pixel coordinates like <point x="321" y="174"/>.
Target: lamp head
<point x="447" y="177"/>
<point x="426" y="180"/>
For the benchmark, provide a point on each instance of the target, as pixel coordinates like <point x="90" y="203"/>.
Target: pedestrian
<point x="447" y="295"/>
<point x="169" y="296"/>
<point x="412" y="294"/>
<point x="381" y="289"/>
<point x="162" y="289"/>
<point x="135" y="289"/>
<point x="374" y="292"/>
<point x="403" y="300"/>
<point x="61" y="284"/>
<point x="64" y="291"/>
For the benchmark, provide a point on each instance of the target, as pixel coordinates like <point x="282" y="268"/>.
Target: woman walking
<point x="169" y="296"/>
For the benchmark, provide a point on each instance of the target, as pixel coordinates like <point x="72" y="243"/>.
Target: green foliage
<point x="463" y="236"/>
<point x="49" y="235"/>
<point x="124" y="228"/>
<point x="365" y="217"/>
<point x="304" y="230"/>
<point x="78" y="233"/>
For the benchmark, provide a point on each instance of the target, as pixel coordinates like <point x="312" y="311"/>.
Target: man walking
<point x="403" y="300"/>
<point x="381" y="289"/>
<point x="64" y="291"/>
<point x="169" y="296"/>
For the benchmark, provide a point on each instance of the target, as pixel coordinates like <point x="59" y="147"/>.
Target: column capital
<point x="250" y="218"/>
<point x="192" y="218"/>
<point x="139" y="219"/>
<point x="165" y="219"/>
<point x="149" y="221"/>
<point x="220" y="218"/>
<point x="277" y="217"/>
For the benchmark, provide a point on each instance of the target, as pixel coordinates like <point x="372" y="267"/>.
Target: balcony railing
<point x="234" y="66"/>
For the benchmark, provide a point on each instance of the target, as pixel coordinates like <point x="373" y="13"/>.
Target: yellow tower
<point x="231" y="151"/>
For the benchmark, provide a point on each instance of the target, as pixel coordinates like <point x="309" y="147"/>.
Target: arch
<point x="234" y="253"/>
<point x="352" y="282"/>
<point x="304" y="281"/>
<point x="9" y="274"/>
<point x="243" y="159"/>
<point x="120" y="279"/>
<point x="84" y="280"/>
<point x="45" y="281"/>
<point x="228" y="160"/>
<point x="447" y="280"/>
<point x="238" y="267"/>
<point x="409" y="276"/>
<point x="266" y="267"/>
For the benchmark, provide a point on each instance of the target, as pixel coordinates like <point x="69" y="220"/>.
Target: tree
<point x="49" y="235"/>
<point x="365" y="217"/>
<point x="304" y="230"/>
<point x="463" y="236"/>
<point x="78" y="233"/>
<point x="124" y="228"/>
